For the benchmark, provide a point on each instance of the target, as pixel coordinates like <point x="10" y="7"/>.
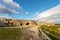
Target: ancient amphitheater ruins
<point x="22" y="23"/>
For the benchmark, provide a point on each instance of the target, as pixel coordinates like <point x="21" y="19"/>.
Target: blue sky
<point x="33" y="6"/>
<point x="28" y="8"/>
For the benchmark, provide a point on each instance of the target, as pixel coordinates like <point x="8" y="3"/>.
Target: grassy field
<point x="52" y="37"/>
<point x="10" y="33"/>
<point x="15" y="33"/>
<point x="54" y="30"/>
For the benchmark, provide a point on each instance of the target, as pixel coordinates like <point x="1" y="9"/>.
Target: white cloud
<point x="50" y="15"/>
<point x="3" y="9"/>
<point x="4" y="17"/>
<point x="12" y="3"/>
<point x="10" y="7"/>
<point x="25" y="12"/>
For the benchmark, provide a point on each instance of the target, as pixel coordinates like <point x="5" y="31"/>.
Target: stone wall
<point x="19" y="23"/>
<point x="22" y="23"/>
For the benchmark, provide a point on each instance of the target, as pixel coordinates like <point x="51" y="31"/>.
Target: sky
<point x="41" y="10"/>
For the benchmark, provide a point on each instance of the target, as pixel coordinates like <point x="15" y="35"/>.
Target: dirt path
<point x="42" y="36"/>
<point x="45" y="35"/>
<point x="31" y="33"/>
<point x="52" y="34"/>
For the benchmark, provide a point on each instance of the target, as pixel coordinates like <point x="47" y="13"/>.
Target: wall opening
<point x="21" y="24"/>
<point x="27" y="23"/>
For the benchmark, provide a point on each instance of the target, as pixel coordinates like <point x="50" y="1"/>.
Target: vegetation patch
<point x="10" y="33"/>
<point x="53" y="30"/>
<point x="52" y="37"/>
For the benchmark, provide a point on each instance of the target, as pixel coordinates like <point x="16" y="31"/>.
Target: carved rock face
<point x="27" y="23"/>
<point x="19" y="23"/>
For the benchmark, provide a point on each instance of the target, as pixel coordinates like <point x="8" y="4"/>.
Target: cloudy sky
<point x="41" y="10"/>
<point x="50" y="15"/>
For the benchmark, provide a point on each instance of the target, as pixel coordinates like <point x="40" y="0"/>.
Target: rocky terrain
<point x="31" y="32"/>
<point x="14" y="22"/>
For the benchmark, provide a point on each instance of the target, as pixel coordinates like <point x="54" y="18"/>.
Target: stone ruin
<point x="14" y="22"/>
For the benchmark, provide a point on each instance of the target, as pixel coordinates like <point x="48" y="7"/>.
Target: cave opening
<point x="27" y="23"/>
<point x="21" y="24"/>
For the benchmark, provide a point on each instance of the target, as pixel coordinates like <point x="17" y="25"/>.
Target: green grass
<point x="52" y="37"/>
<point x="52" y="29"/>
<point x="15" y="33"/>
<point x="10" y="33"/>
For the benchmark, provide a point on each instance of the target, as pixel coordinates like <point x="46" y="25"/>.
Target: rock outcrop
<point x="31" y="33"/>
<point x="13" y="22"/>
